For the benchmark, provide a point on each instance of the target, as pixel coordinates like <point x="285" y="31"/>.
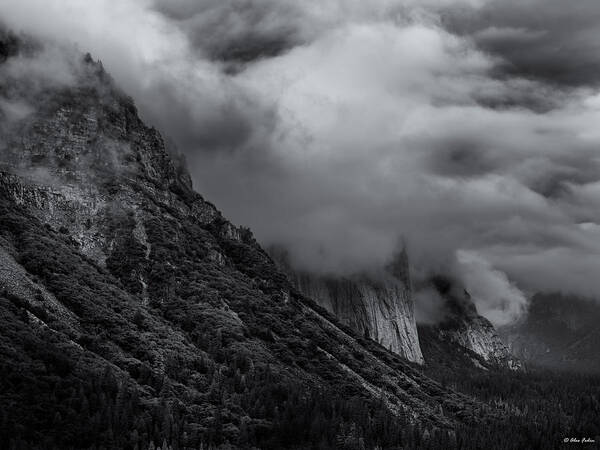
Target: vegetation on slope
<point x="539" y="408"/>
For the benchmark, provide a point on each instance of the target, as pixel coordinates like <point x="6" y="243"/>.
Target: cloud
<point x="495" y="296"/>
<point x="27" y="71"/>
<point x="540" y="39"/>
<point x="234" y="31"/>
<point x="429" y="306"/>
<point x="333" y="127"/>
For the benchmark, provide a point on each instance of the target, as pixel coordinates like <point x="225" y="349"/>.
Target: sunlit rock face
<point x="377" y="306"/>
<point x="463" y="326"/>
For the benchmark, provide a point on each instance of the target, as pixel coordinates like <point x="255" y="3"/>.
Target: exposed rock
<point x="379" y="307"/>
<point x="86" y="155"/>
<point x="463" y="326"/>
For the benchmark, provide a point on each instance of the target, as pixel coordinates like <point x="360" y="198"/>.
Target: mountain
<point x="381" y="307"/>
<point x="133" y="313"/>
<point x="463" y="337"/>
<point x="377" y="306"/>
<point x="559" y="331"/>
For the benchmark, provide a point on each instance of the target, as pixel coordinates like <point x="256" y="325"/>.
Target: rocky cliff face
<point x="462" y="326"/>
<point x="85" y="157"/>
<point x="378" y="307"/>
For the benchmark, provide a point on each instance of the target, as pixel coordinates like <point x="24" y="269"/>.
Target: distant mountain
<point x="132" y="313"/>
<point x="560" y="331"/>
<point x="463" y="337"/>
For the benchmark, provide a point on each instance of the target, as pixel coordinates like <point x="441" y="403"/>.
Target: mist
<point x="333" y="128"/>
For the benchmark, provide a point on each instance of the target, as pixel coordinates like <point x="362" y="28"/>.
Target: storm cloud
<point x="549" y="40"/>
<point x="332" y="127"/>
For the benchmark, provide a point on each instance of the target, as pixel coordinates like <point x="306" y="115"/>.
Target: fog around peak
<point x="333" y="128"/>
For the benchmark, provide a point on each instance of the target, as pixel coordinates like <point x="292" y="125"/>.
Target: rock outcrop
<point x="377" y="306"/>
<point x="83" y="157"/>
<point x="462" y="326"/>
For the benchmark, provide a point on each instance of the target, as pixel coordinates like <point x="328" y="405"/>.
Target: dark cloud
<point x="218" y="123"/>
<point x="457" y="157"/>
<point x="541" y="39"/>
<point x="236" y="31"/>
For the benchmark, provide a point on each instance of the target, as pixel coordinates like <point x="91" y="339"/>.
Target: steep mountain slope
<point x="379" y="307"/>
<point x="382" y="308"/>
<point x="133" y="312"/>
<point x="559" y="331"/>
<point x="463" y="336"/>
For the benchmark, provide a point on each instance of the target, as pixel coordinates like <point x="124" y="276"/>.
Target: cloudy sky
<point x="470" y="128"/>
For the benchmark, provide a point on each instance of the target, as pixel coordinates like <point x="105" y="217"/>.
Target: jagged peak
<point x="100" y="130"/>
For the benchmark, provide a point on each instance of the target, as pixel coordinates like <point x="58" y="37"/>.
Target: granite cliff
<point x="379" y="306"/>
<point x="463" y="333"/>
